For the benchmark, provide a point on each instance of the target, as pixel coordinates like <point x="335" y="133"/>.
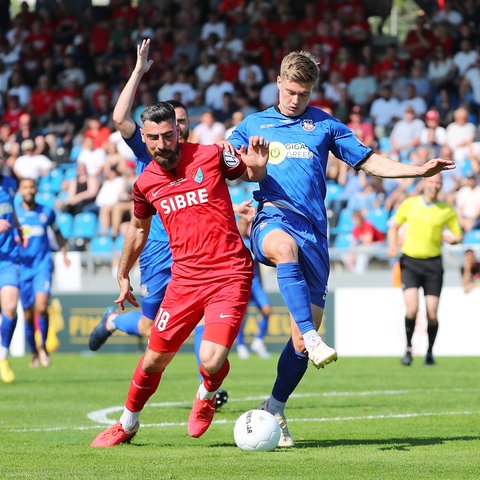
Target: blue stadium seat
<point x="472" y="237"/>
<point x="333" y="191"/>
<point x="237" y="194"/>
<point x="51" y="182"/>
<point x="379" y="218"/>
<point x="344" y="224"/>
<point x="64" y="221"/>
<point x="101" y="245"/>
<point x="118" y="244"/>
<point x="343" y="240"/>
<point x="84" y="225"/>
<point x="45" y="198"/>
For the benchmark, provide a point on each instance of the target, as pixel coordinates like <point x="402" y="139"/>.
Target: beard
<point x="166" y="158"/>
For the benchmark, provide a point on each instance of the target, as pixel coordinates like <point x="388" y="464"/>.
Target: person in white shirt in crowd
<point x="208" y="131"/>
<point x="460" y="135"/>
<point x="214" y="92"/>
<point x="467" y="203"/>
<point x="93" y="158"/>
<point x="31" y="165"/>
<point x="432" y="134"/>
<point x="465" y="57"/>
<point x="384" y="111"/>
<point x="405" y="135"/>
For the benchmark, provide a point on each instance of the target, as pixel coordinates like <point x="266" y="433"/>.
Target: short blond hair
<point x="300" y="67"/>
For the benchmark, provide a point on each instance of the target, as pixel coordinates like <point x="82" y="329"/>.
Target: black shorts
<point x="426" y="273"/>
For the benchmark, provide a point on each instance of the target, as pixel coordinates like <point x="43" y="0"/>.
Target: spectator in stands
<point x="469" y="88"/>
<point x="364" y="234"/>
<point x="18" y="87"/>
<point x="31" y="165"/>
<point x="432" y="134"/>
<point x="363" y="87"/>
<point x="412" y="99"/>
<point x="214" y="92"/>
<point x="470" y="271"/>
<point x="405" y="135"/>
<point x="468" y="203"/>
<point x="205" y="70"/>
<point x="391" y="62"/>
<point x="81" y="192"/>
<point x="420" y="39"/>
<point x="460" y="135"/>
<point x="27" y="131"/>
<point x="97" y="131"/>
<point x="384" y="111"/>
<point x="208" y="131"/>
<point x="362" y="129"/>
<point x="93" y="158"/>
<point x="465" y="57"/>
<point x="237" y="117"/>
<point x="214" y="24"/>
<point x="71" y="72"/>
<point x="182" y="88"/>
<point x="441" y="70"/>
<point x="268" y="95"/>
<point x="42" y="100"/>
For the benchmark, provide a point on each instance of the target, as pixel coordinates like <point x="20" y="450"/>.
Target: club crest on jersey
<point x="197" y="175"/>
<point x="230" y="160"/>
<point x="308" y="125"/>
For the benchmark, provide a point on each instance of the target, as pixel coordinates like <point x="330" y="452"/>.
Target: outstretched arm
<point x="121" y="113"/>
<point x="381" y="166"/>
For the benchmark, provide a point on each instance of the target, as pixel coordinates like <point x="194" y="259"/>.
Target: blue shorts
<point x="41" y="282"/>
<point x="9" y="274"/>
<point x="312" y="244"/>
<point x="155" y="274"/>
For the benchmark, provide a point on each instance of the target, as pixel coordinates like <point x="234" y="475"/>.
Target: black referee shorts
<point x="426" y="273"/>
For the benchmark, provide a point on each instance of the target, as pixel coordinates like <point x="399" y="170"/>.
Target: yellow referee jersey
<point x="425" y="225"/>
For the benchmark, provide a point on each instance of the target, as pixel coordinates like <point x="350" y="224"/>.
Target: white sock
<point x="111" y="327"/>
<point x="3" y="352"/>
<point x="276" y="407"/>
<point x="129" y="420"/>
<point x="309" y="337"/>
<point x="204" y="394"/>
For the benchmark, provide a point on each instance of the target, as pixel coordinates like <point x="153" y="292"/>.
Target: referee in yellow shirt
<point x="426" y="219"/>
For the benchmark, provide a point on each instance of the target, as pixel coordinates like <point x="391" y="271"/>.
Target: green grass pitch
<point x="360" y="418"/>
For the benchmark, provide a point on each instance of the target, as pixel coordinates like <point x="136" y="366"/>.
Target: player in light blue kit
<point x="9" y="272"/>
<point x="36" y="266"/>
<point x="290" y="228"/>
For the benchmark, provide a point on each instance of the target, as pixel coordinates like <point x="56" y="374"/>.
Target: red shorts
<point x="223" y="304"/>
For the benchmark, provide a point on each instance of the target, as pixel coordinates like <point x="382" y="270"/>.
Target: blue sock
<point x="30" y="337"/>
<point x="290" y="370"/>
<point x="262" y="327"/>
<point x="295" y="293"/>
<point x="128" y="322"/>
<point x="7" y="329"/>
<point x="43" y="326"/>
<point x="197" y="339"/>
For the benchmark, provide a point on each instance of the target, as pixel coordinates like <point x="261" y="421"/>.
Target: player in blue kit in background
<point x="10" y="236"/>
<point x="260" y="299"/>
<point x="290" y="227"/>
<point x="36" y="266"/>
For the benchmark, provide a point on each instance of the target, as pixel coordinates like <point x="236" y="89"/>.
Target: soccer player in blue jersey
<point x="290" y="228"/>
<point x="36" y="266"/>
<point x="9" y="273"/>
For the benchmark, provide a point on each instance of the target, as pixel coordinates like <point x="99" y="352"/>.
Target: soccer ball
<point x="256" y="430"/>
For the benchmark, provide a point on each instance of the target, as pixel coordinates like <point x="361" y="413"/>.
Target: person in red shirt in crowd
<point x="362" y="130"/>
<point x="344" y="64"/>
<point x="390" y="62"/>
<point x="212" y="269"/>
<point x="12" y="114"/>
<point x="98" y="132"/>
<point x="40" y="38"/>
<point x="68" y="95"/>
<point x="227" y="66"/>
<point x="357" y="31"/>
<point x="42" y="100"/>
<point x="255" y="46"/>
<point x="420" y="39"/>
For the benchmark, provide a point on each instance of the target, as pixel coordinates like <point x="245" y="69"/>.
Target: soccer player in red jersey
<point x="212" y="269"/>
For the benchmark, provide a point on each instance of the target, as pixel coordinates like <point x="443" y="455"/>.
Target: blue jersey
<point x="299" y="148"/>
<point x="157" y="231"/>
<point x="36" y="256"/>
<point x="8" y="245"/>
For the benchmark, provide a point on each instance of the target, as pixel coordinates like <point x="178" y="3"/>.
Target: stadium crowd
<point x="61" y="72"/>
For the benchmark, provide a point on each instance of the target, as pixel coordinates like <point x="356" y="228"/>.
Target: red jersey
<point x="196" y="210"/>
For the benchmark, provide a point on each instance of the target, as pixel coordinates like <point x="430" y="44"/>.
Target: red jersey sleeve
<point x="231" y="165"/>
<point x="141" y="207"/>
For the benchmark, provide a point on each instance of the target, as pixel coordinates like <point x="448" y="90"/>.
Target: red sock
<point x="142" y="387"/>
<point x="213" y="382"/>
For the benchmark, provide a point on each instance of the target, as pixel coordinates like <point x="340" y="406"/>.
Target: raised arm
<point x="381" y="166"/>
<point x="122" y="118"/>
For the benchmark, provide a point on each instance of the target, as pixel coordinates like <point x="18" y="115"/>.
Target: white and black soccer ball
<point x="256" y="430"/>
